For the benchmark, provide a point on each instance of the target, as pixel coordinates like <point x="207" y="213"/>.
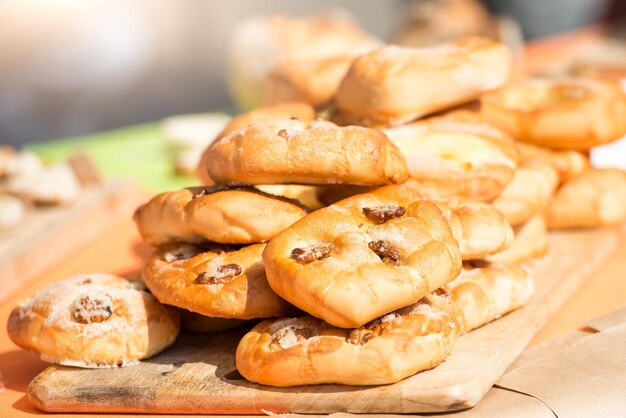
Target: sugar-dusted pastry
<point x="364" y="256"/>
<point x="567" y="163"/>
<point x="309" y="351"/>
<point x="220" y="281"/>
<point x="229" y="215"/>
<point x="564" y="113"/>
<point x="394" y="85"/>
<point x="531" y="241"/>
<point x="457" y="155"/>
<point x="93" y="320"/>
<point x="292" y="151"/>
<point x="596" y="197"/>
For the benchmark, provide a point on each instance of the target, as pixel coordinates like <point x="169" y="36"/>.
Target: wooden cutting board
<point x="198" y="374"/>
<point x="48" y="235"/>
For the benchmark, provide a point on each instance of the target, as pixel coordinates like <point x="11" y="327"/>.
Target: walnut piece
<point x="223" y="274"/>
<point x="381" y="214"/>
<point x="387" y="253"/>
<point x="93" y="307"/>
<point x="307" y="255"/>
<point x="290" y="336"/>
<point x="360" y="335"/>
<point x="178" y="254"/>
<point x="283" y="133"/>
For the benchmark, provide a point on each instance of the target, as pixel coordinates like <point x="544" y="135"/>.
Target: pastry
<point x="567" y="163"/>
<point x="229" y="215"/>
<point x="531" y="241"/>
<point x="314" y="82"/>
<point x="307" y="195"/>
<point x="93" y="320"/>
<point x="395" y="85"/>
<point x="201" y="324"/>
<point x="364" y="256"/>
<point x="594" y="198"/>
<point x="291" y="151"/>
<point x="457" y="155"/>
<point x="219" y="281"/>
<point x="12" y="210"/>
<point x="308" y="351"/>
<point x="563" y="113"/>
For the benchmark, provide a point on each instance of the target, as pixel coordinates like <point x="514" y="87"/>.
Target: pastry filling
<point x="308" y="255"/>
<point x="92" y="307"/>
<point x="370" y="330"/>
<point x="223" y="274"/>
<point x="387" y="253"/>
<point x="381" y="214"/>
<point x="290" y="336"/>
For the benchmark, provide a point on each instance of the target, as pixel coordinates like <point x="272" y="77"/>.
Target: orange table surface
<point x="121" y="251"/>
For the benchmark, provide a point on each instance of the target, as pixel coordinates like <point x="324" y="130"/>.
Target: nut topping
<point x="387" y="253"/>
<point x="93" y="307"/>
<point x="178" y="254"/>
<point x="283" y="133"/>
<point x="307" y="255"/>
<point x="381" y="214"/>
<point x="290" y="336"/>
<point x="360" y="336"/>
<point x="223" y="274"/>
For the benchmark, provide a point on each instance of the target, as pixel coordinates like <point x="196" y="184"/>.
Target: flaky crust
<point x="531" y="241"/>
<point x="394" y="85"/>
<point x="528" y="193"/>
<point x="405" y="342"/>
<point x="457" y="155"/>
<point x="218" y="214"/>
<point x="596" y="197"/>
<point x="486" y="291"/>
<point x="313" y="82"/>
<point x="279" y="111"/>
<point x="351" y="284"/>
<point x="567" y="113"/>
<point x="291" y="151"/>
<point x="201" y="324"/>
<point x="49" y="323"/>
<point x="172" y="274"/>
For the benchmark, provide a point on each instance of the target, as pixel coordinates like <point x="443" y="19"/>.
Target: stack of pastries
<point x="419" y="228"/>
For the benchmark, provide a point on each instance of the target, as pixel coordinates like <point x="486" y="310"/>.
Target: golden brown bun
<point x="486" y="291"/>
<point x="574" y="113"/>
<point x="308" y="351"/>
<point x="567" y="163"/>
<point x="219" y="281"/>
<point x="531" y="241"/>
<point x="348" y="268"/>
<point x="201" y="324"/>
<point x="291" y="151"/>
<point x="93" y="320"/>
<point x="242" y="215"/>
<point x="527" y="194"/>
<point x="596" y="197"/>
<point x="457" y="155"/>
<point x="279" y="111"/>
<point x="307" y="195"/>
<point x="313" y="82"/>
<point x="394" y="85"/>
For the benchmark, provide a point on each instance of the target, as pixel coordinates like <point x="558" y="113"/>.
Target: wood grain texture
<point x="48" y="235"/>
<point x="198" y="374"/>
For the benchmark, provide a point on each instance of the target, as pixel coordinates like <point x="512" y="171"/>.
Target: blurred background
<point x="71" y="67"/>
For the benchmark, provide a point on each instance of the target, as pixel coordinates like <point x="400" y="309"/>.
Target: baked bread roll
<point x="308" y="351"/>
<point x="260" y="43"/>
<point x="12" y="210"/>
<point x="564" y="113"/>
<point x="307" y="195"/>
<point x="201" y="324"/>
<point x="596" y="197"/>
<point x="527" y="194"/>
<point x="531" y="241"/>
<point x="279" y="111"/>
<point x="486" y="291"/>
<point x="93" y="320"/>
<point x="291" y="151"/>
<point x="394" y="85"/>
<point x="314" y="82"/>
<point x="457" y="155"/>
<point x="364" y="256"/>
<point x="228" y="215"/>
<point x="218" y="281"/>
<point x="567" y="163"/>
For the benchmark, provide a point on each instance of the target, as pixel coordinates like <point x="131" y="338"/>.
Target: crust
<point x="413" y="339"/>
<point x="138" y="328"/>
<point x="224" y="215"/>
<point x="394" y="85"/>
<point x="172" y="270"/>
<point x="291" y="151"/>
<point x="531" y="241"/>
<point x="353" y="285"/>
<point x="565" y="113"/>
<point x="596" y="197"/>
